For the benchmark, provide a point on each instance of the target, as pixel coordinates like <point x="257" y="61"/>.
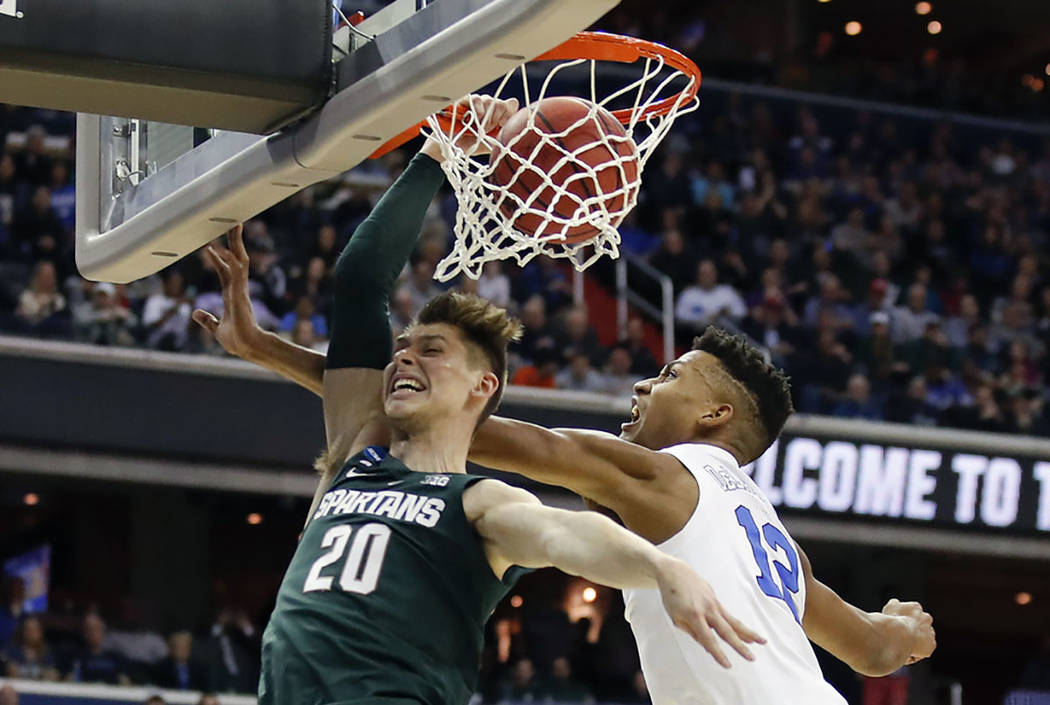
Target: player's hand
<point x="238" y="330"/>
<point x="481" y="115"/>
<point x="691" y="604"/>
<point x="921" y="622"/>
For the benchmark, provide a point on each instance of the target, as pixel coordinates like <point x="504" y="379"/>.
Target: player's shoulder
<point x="696" y="455"/>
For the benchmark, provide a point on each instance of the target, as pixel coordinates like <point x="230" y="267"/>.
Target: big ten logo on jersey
<point x="436" y="480"/>
<point x="10" y="8"/>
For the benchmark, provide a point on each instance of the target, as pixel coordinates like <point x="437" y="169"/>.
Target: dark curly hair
<point x="767" y="386"/>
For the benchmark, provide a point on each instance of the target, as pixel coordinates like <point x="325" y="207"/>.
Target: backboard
<point x="149" y="193"/>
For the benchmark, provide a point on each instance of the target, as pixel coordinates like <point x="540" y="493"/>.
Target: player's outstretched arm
<point x="239" y="333"/>
<point x="872" y="643"/>
<point x="518" y="530"/>
<point x="627" y="478"/>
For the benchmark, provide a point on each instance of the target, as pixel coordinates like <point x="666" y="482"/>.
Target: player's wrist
<point x="433" y="150"/>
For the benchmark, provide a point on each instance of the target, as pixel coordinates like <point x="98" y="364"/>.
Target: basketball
<point x="566" y="158"/>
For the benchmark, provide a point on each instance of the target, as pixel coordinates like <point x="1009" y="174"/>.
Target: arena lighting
<point x="255" y="518"/>
<point x="1037" y="84"/>
<point x="516" y="601"/>
<point x="31" y="499"/>
<point x="1023" y="598"/>
<point x="934" y="27"/>
<point x="853" y="28"/>
<point x="590" y="594"/>
<point x="1047" y="70"/>
<point x="923" y="8"/>
<point x="823" y="0"/>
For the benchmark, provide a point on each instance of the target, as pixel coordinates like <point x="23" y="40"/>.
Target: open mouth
<point x="403" y="386"/>
<point x="636" y="416"/>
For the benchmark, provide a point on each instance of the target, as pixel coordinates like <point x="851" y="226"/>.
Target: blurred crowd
<point x="798" y="46"/>
<point x="556" y="647"/>
<point x="896" y="268"/>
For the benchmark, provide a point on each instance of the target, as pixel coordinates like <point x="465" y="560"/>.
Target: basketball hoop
<point x="646" y="105"/>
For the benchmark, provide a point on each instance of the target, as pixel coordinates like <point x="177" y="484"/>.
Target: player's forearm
<point x="592" y="546"/>
<point x="301" y="365"/>
<point x="368" y="267"/>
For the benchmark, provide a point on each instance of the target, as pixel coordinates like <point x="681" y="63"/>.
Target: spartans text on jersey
<point x="402" y="506"/>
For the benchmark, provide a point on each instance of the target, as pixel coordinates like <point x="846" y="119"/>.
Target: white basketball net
<point x="484" y="228"/>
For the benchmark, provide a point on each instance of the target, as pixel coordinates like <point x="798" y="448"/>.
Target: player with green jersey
<point x="415" y="589"/>
<point x="404" y="555"/>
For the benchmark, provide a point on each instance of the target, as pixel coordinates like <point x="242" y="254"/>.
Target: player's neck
<point x="431" y="449"/>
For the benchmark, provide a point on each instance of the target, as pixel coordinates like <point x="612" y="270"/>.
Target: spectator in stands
<point x="643" y="364"/>
<point x="29" y="656"/>
<point x="208" y="699"/>
<point x="909" y="321"/>
<point x="421" y="284"/>
<point x="562" y="687"/>
<point x="233" y="653"/>
<point x="984" y="414"/>
<point x="852" y="237"/>
<point x="304" y="334"/>
<point x="708" y="302"/>
<point x="36" y="230"/>
<point x="131" y="637"/>
<point x="674" y="259"/>
<point x="576" y="336"/>
<point x="180" y="671"/>
<point x="63" y="196"/>
<point x="821" y="376"/>
<point x="494" y="284"/>
<point x="12" y="604"/>
<point x="155" y="699"/>
<point x="544" y="276"/>
<point x="8" y="695"/>
<point x="521" y="687"/>
<point x="829" y="306"/>
<point x="912" y="407"/>
<point x="858" y="402"/>
<point x="91" y="663"/>
<point x="305" y="310"/>
<point x="10" y="200"/>
<point x="873" y="303"/>
<point x="32" y="163"/>
<point x="536" y="334"/>
<point x="579" y="376"/>
<point x="268" y="282"/>
<point x="773" y="326"/>
<point x="102" y="319"/>
<point x="619" y="376"/>
<point x="957" y="328"/>
<point x="166" y="315"/>
<point x="402" y="310"/>
<point x="540" y="371"/>
<point x="41" y="308"/>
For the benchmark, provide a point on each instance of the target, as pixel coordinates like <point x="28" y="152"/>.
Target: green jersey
<point x="387" y="595"/>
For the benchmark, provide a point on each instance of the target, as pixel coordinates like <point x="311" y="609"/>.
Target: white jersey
<point x="736" y="542"/>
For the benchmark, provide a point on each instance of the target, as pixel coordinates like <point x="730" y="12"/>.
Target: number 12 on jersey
<point x="775" y="538"/>
<point x="364" y="561"/>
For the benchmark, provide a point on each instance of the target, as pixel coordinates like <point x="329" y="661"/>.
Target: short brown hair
<point x="768" y="386"/>
<point x="484" y="325"/>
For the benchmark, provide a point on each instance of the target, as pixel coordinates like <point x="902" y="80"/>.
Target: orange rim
<point x="599" y="46"/>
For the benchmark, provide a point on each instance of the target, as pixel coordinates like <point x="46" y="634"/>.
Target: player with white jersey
<point x="735" y="532"/>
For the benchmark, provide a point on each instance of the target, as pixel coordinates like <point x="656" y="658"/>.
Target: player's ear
<point x="486" y="385"/>
<point x="714" y="416"/>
